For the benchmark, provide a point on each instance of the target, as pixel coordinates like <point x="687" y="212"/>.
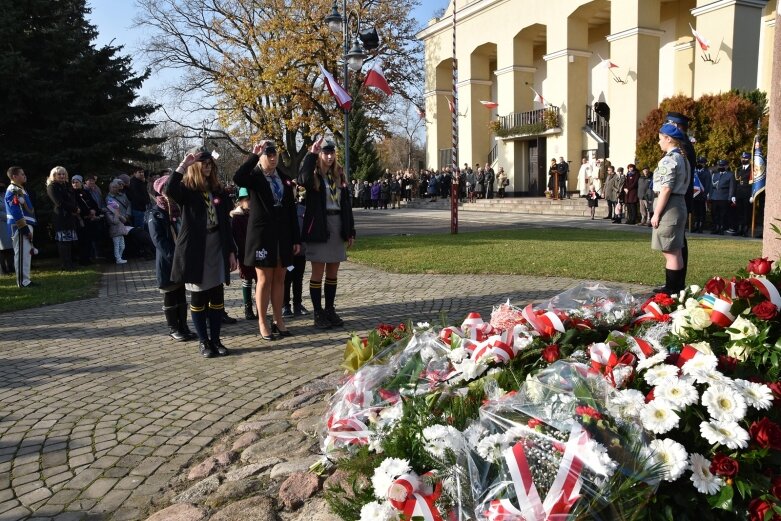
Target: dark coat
<point x="164" y="239"/>
<point x="742" y="185"/>
<point x="270" y="228"/>
<point x="315" y="217"/>
<point x="191" y="242"/>
<point x="64" y="198"/>
<point x="630" y="185"/>
<point x="138" y="195"/>
<point x="86" y="202"/>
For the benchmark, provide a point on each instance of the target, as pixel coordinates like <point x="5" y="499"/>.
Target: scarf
<point x="168" y="206"/>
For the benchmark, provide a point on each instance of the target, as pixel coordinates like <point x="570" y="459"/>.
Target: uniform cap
<point x="678" y="118"/>
<point x="745" y="155"/>
<point x="722" y="162"/>
<point x="701" y="160"/>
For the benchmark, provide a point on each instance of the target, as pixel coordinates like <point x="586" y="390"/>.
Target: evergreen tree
<point x="364" y="161"/>
<point x="66" y="102"/>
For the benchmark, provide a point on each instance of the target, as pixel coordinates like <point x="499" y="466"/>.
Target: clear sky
<point x="114" y="20"/>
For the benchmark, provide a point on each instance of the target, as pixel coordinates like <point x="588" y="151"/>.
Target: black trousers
<point x="295" y="278"/>
<point x="719" y="209"/>
<point x="699" y="209"/>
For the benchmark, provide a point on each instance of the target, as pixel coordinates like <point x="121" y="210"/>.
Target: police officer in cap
<point x="722" y="193"/>
<point x="741" y="213"/>
<point x="700" y="200"/>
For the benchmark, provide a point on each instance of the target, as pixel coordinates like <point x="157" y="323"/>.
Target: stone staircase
<point x="574" y="207"/>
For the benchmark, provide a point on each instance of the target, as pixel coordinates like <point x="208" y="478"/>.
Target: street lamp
<point x="352" y="59"/>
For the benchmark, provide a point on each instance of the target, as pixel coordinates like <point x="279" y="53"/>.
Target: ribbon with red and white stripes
<point x="347" y="431"/>
<point x="687" y="353"/>
<point x="446" y="334"/>
<point x="604" y="360"/>
<point x="767" y="289"/>
<point x="563" y="493"/>
<point x="545" y="323"/>
<point x="413" y="502"/>
<point x="359" y="396"/>
<point x="494" y="348"/>
<point x="720" y="309"/>
<point x="652" y="313"/>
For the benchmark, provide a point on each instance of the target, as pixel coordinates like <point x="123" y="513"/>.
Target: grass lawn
<point x="53" y="286"/>
<point x="564" y="252"/>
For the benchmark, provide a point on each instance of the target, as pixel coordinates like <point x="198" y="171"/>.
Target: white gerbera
<point x="389" y="470"/>
<point x="441" y="438"/>
<point x="758" y="396"/>
<point x="376" y="511"/>
<point x="704" y="480"/>
<point x="677" y="392"/>
<point x="658" y="416"/>
<point x="660" y="372"/>
<point x="701" y="363"/>
<point x="727" y="433"/>
<point x="490" y="447"/>
<point x="723" y="403"/>
<point x="671" y="456"/>
<point x="627" y="403"/>
<point x="651" y="361"/>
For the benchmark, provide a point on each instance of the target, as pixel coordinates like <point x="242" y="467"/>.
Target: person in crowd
<point x="65" y="214"/>
<point x="471" y="180"/>
<point x="329" y="228"/>
<point x="490" y="179"/>
<point x="139" y="197"/>
<point x="239" y="224"/>
<point x="395" y="192"/>
<point x="90" y="217"/>
<point x="562" y="168"/>
<point x="6" y="242"/>
<point x="618" y="210"/>
<point x="120" y="196"/>
<point x="375" y="195"/>
<point x="273" y="236"/>
<point x="553" y="179"/>
<point x="670" y="181"/>
<point x="205" y="253"/>
<point x="502" y="181"/>
<point x="700" y="199"/>
<point x="631" y="199"/>
<point x="355" y="188"/>
<point x="91" y="185"/>
<point x="366" y="195"/>
<point x="592" y="200"/>
<point x="722" y="193"/>
<point x="594" y="177"/>
<point x="117" y="229"/>
<point x="584" y="173"/>
<point x="479" y="181"/>
<point x="384" y="194"/>
<point x="164" y="222"/>
<point x="612" y="189"/>
<point x="643" y="187"/>
<point x="433" y="188"/>
<point x="741" y="212"/>
<point x="20" y="221"/>
<point x="294" y="279"/>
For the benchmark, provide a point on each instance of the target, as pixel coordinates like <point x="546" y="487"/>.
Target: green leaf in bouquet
<point x="744" y="488"/>
<point x="408" y="374"/>
<point x="722" y="500"/>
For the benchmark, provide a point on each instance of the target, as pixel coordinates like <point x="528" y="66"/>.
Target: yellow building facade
<point x="625" y="55"/>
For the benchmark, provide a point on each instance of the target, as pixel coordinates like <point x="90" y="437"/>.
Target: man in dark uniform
<point x="722" y="193"/>
<point x="682" y="122"/>
<point x="700" y="200"/>
<point x="741" y="212"/>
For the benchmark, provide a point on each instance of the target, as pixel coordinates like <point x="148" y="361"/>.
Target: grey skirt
<point x="213" y="265"/>
<point x="332" y="251"/>
<point x="669" y="236"/>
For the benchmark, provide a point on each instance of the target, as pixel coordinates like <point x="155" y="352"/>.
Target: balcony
<point x="528" y="124"/>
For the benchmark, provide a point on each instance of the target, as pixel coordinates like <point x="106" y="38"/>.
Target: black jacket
<point x="315" y="218"/>
<point x="64" y="199"/>
<point x="271" y="231"/>
<point x="191" y="242"/>
<point x="138" y="195"/>
<point x="160" y="230"/>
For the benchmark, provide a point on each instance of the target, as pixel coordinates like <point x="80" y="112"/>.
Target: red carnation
<point x="715" y="285"/>
<point x="765" y="310"/>
<point x="725" y="466"/>
<point x="663" y="299"/>
<point x="533" y="423"/>
<point x="766" y="433"/>
<point x="775" y="486"/>
<point x="585" y="410"/>
<point x="759" y="266"/>
<point x="744" y="289"/>
<point x="759" y="508"/>
<point x="551" y="353"/>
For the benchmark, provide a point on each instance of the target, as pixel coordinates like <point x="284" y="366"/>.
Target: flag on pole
<point x="376" y="78"/>
<point x="697" y="185"/>
<point x="489" y="104"/>
<point x="757" y="178"/>
<point x="451" y="105"/>
<point x="538" y="97"/>
<point x="606" y="63"/>
<point x="704" y="42"/>
<point x="337" y="91"/>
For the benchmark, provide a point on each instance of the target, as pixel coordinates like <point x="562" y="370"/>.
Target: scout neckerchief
<point x="211" y="212"/>
<point x="276" y="187"/>
<point x="333" y="189"/>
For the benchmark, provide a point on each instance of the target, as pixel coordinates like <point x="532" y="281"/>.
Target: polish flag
<point x="489" y="104"/>
<point x="376" y="78"/>
<point x="538" y="97"/>
<point x="607" y="64"/>
<point x="337" y="91"/>
<point x="451" y="105"/>
<point x="704" y="42"/>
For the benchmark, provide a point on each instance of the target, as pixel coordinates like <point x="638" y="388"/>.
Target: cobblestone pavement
<point x="99" y="409"/>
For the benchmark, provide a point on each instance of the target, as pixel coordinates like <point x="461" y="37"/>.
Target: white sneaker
<point x="121" y="261"/>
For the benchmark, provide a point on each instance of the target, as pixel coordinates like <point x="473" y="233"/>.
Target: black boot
<point x="172" y="319"/>
<point x="674" y="282"/>
<point x="64" y="249"/>
<point x="248" y="313"/>
<point x="182" y="323"/>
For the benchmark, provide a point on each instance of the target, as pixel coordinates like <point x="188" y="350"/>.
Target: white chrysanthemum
<point x="376" y="511"/>
<point x="660" y="372"/>
<point x="469" y="370"/>
<point x="651" y="361"/>
<point x="474" y="433"/>
<point x="704" y="480"/>
<point x="441" y="438"/>
<point x="671" y="456"/>
<point x="595" y="455"/>
<point x="758" y="396"/>
<point x="389" y="416"/>
<point x="727" y="433"/>
<point x="389" y="470"/>
<point x="723" y="403"/>
<point x="490" y="447"/>
<point x="457" y="355"/>
<point x="701" y="363"/>
<point x="658" y="416"/>
<point x="422" y="325"/>
<point x="533" y="388"/>
<point x="375" y="442"/>
<point x="677" y="392"/>
<point x="627" y="404"/>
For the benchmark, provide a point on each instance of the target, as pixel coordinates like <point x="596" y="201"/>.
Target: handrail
<point x="493" y="154"/>
<point x="598" y="124"/>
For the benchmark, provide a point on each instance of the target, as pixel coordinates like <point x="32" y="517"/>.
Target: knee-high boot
<point x="64" y="249"/>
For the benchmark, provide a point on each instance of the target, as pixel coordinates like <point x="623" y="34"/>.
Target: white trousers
<point x="22" y="257"/>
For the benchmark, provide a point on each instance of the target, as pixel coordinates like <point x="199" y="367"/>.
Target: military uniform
<point x="721" y="194"/>
<point x="20" y="221"/>
<point x="699" y="201"/>
<point x="741" y="213"/>
<point x="673" y="171"/>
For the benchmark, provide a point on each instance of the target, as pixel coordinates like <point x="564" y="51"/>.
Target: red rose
<point x="725" y="466"/>
<point x="766" y="433"/>
<point x="715" y="285"/>
<point x="776" y="388"/>
<point x="758" y="508"/>
<point x="551" y="353"/>
<point x="759" y="266"/>
<point x="765" y="310"/>
<point x="744" y="289"/>
<point x="775" y="486"/>
<point x="727" y="364"/>
<point x="533" y="423"/>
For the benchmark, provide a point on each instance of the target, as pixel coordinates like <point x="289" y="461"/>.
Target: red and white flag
<point x="538" y="97"/>
<point x="376" y="78"/>
<point x="421" y="112"/>
<point x="337" y="91"/>
<point x="704" y="42"/>
<point x="607" y="64"/>
<point x="489" y="104"/>
<point x="451" y="105"/>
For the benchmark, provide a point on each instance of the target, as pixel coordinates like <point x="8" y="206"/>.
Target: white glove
<point x="733" y="199"/>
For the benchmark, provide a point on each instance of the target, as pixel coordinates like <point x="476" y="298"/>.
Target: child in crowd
<point x="592" y="199"/>
<point x="295" y="278"/>
<point x="239" y="221"/>
<point x="116" y="230"/>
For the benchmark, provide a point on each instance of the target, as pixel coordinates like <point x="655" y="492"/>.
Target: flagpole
<point x="346" y="48"/>
<point x="454" y="188"/>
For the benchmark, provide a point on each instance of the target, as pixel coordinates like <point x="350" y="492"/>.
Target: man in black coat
<point x="562" y="168"/>
<point x="741" y="213"/>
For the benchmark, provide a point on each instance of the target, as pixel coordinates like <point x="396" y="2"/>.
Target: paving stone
<point x="180" y="513"/>
<point x="297" y="488"/>
<point x="251" y="469"/>
<point x="297" y="465"/>
<point x="254" y="508"/>
<point x="280" y="445"/>
<point x="99" y="488"/>
<point x="200" y="490"/>
<point x="245" y="440"/>
<point x="231" y="491"/>
<point x="316" y="509"/>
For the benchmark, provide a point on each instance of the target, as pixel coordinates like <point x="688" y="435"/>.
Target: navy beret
<point x="668" y="129"/>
